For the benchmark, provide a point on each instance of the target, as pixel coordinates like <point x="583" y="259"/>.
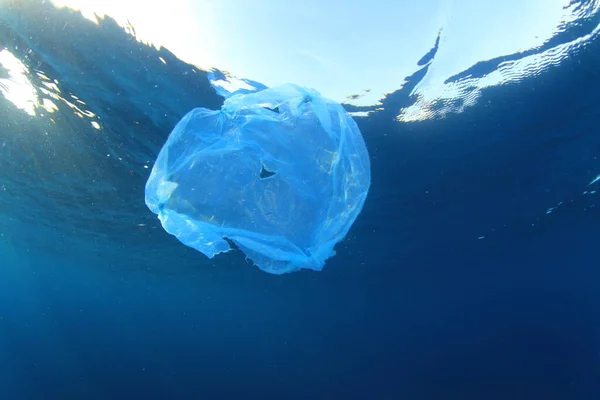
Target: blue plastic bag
<point x="282" y="173"/>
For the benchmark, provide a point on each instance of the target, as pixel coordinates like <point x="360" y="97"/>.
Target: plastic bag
<point x="281" y="173"/>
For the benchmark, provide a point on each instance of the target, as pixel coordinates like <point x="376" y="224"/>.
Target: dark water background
<point x="98" y="302"/>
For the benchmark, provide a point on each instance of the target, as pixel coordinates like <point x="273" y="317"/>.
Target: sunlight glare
<point x="183" y="27"/>
<point x="16" y="88"/>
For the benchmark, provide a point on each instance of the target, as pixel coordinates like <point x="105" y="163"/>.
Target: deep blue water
<point x="454" y="283"/>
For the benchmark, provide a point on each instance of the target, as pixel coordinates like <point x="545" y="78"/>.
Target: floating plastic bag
<point x="281" y="173"/>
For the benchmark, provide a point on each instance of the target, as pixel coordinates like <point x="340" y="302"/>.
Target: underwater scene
<point x="206" y="199"/>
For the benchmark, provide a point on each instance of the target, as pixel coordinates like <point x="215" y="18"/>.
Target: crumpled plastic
<point x="281" y="174"/>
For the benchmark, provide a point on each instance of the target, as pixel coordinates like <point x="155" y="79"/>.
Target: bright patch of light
<point x="342" y="48"/>
<point x="17" y="89"/>
<point x="185" y="27"/>
<point x="436" y="99"/>
<point x="358" y="114"/>
<point x="48" y="105"/>
<point x="232" y="84"/>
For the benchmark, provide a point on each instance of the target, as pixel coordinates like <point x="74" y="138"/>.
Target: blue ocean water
<point x="470" y="274"/>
